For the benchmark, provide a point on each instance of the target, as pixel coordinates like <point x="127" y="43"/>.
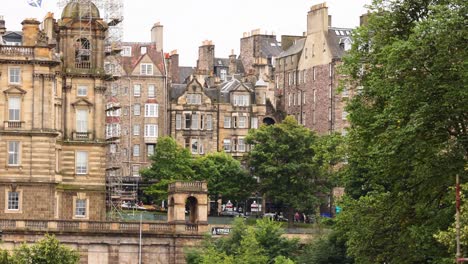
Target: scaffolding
<point x="111" y="11"/>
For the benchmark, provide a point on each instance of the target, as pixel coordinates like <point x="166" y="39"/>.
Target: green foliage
<point x="282" y="157"/>
<point x="46" y="251"/>
<point x="330" y="249"/>
<point x="170" y="163"/>
<point x="408" y="136"/>
<point x="225" y="176"/>
<point x="261" y="244"/>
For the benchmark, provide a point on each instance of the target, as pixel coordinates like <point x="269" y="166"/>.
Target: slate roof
<point x="270" y="47"/>
<point x="185" y="72"/>
<point x="336" y="36"/>
<point x="297" y="47"/>
<point x="223" y="62"/>
<point x="13" y="36"/>
<point x="130" y="62"/>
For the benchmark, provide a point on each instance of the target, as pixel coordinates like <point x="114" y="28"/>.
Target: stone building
<point x="52" y="138"/>
<point x="307" y="81"/>
<point x="137" y="109"/>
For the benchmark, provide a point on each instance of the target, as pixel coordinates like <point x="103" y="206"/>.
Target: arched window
<point x="83" y="53"/>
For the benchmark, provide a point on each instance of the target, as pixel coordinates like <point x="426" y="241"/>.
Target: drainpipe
<point x="332" y="103"/>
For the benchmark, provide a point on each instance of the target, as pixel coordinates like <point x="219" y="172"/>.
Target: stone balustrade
<point x="16" y="51"/>
<point x="196" y="186"/>
<point x="92" y="226"/>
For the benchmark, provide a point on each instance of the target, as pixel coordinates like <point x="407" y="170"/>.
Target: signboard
<point x="220" y="231"/>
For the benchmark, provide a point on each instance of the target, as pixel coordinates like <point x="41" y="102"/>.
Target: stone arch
<point x="192" y="205"/>
<point x="269" y="121"/>
<point x="194" y="195"/>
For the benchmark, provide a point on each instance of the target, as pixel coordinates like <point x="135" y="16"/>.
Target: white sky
<point x="188" y="22"/>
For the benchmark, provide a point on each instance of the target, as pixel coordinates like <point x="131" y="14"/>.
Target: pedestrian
<point x="304" y="217"/>
<point x="296" y="217"/>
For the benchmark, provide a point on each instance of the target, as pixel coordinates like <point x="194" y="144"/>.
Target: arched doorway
<point x="268" y="121"/>
<point x="191" y="205"/>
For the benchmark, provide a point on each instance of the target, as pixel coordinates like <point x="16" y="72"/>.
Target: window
<point x="344" y="115"/>
<point x="227" y="145"/>
<point x="313" y="72"/>
<point x="209" y="122"/>
<point x="202" y="122"/>
<point x="125" y="110"/>
<point x="136" y="170"/>
<point x="241" y="100"/>
<point x="13" y="201"/>
<point x="254" y="122"/>
<point x="82" y="90"/>
<point x="188" y="121"/>
<point x="223" y="74"/>
<point x="136" y="109"/>
<point x="304" y="76"/>
<point x="299" y="98"/>
<point x="136" y="130"/>
<point x="14" y="107"/>
<point x="137" y="90"/>
<point x="178" y="121"/>
<point x="126" y="51"/>
<point x="151" y="91"/>
<point x="151" y="130"/>
<point x="242" y="121"/>
<point x="80" y="208"/>
<point x="151" y="110"/>
<point x="146" y="69"/>
<point x="82" y="121"/>
<point x="136" y="150"/>
<point x="194" y="146"/>
<point x="241" y="145"/>
<point x="289" y="99"/>
<point x="227" y="122"/>
<point x="81" y="162"/>
<point x="150" y="149"/>
<point x="14" y="75"/>
<point x="303" y="98"/>
<point x="112" y="130"/>
<point x="113" y="148"/>
<point x="194" y="121"/>
<point x="143" y="50"/>
<point x="234" y="121"/>
<point x="13" y="153"/>
<point x="194" y="99"/>
<point x="114" y="90"/>
<point x="303" y="118"/>
<point x="294" y="99"/>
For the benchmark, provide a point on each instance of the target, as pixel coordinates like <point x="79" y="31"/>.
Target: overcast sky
<point x="188" y="22"/>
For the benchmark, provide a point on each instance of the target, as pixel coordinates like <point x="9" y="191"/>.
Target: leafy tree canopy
<point x="408" y="136"/>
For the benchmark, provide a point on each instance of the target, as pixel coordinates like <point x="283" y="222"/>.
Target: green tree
<point x="408" y="136"/>
<point x="225" y="176"/>
<point x="46" y="251"/>
<point x="170" y="163"/>
<point x="247" y="245"/>
<point x="282" y="157"/>
<point x="329" y="249"/>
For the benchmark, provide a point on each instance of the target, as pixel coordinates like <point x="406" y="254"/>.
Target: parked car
<point x="272" y="216"/>
<point x="232" y="214"/>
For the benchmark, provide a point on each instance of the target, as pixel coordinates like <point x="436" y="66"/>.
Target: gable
<point x="145" y="59"/>
<point x="82" y="102"/>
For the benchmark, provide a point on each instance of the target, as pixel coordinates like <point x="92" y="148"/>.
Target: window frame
<point x="151" y="128"/>
<point x="151" y="110"/>
<point x="80" y="89"/>
<point x="136" y="150"/>
<point x="82" y="125"/>
<point x="227" y="122"/>
<point x="82" y="207"/>
<point x="136" y="90"/>
<point x="15" y="153"/>
<point x="151" y="91"/>
<point x="10" y="75"/>
<point x="81" y="167"/>
<point x="17" y="110"/>
<point x="147" y="69"/>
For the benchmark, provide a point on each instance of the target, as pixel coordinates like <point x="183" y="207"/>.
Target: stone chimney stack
<point x="157" y="36"/>
<point x="49" y="22"/>
<point x="2" y="26"/>
<point x="174" y="67"/>
<point x="317" y="19"/>
<point x="363" y="19"/>
<point x="30" y="31"/>
<point x="206" y="55"/>
<point x="232" y="63"/>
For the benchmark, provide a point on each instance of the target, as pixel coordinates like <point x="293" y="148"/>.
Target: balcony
<point x="13" y="125"/>
<point x="83" y="65"/>
<point x="82" y="136"/>
<point x="16" y="51"/>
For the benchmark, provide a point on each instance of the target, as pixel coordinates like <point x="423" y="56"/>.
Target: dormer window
<point x="241" y="100"/>
<point x="194" y="99"/>
<point x="126" y="51"/>
<point x="143" y="50"/>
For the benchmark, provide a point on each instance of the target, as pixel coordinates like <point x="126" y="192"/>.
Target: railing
<point x="81" y="135"/>
<point x="16" y="51"/>
<point x="92" y="226"/>
<point x="191" y="227"/>
<point x="83" y="65"/>
<point x="13" y="124"/>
